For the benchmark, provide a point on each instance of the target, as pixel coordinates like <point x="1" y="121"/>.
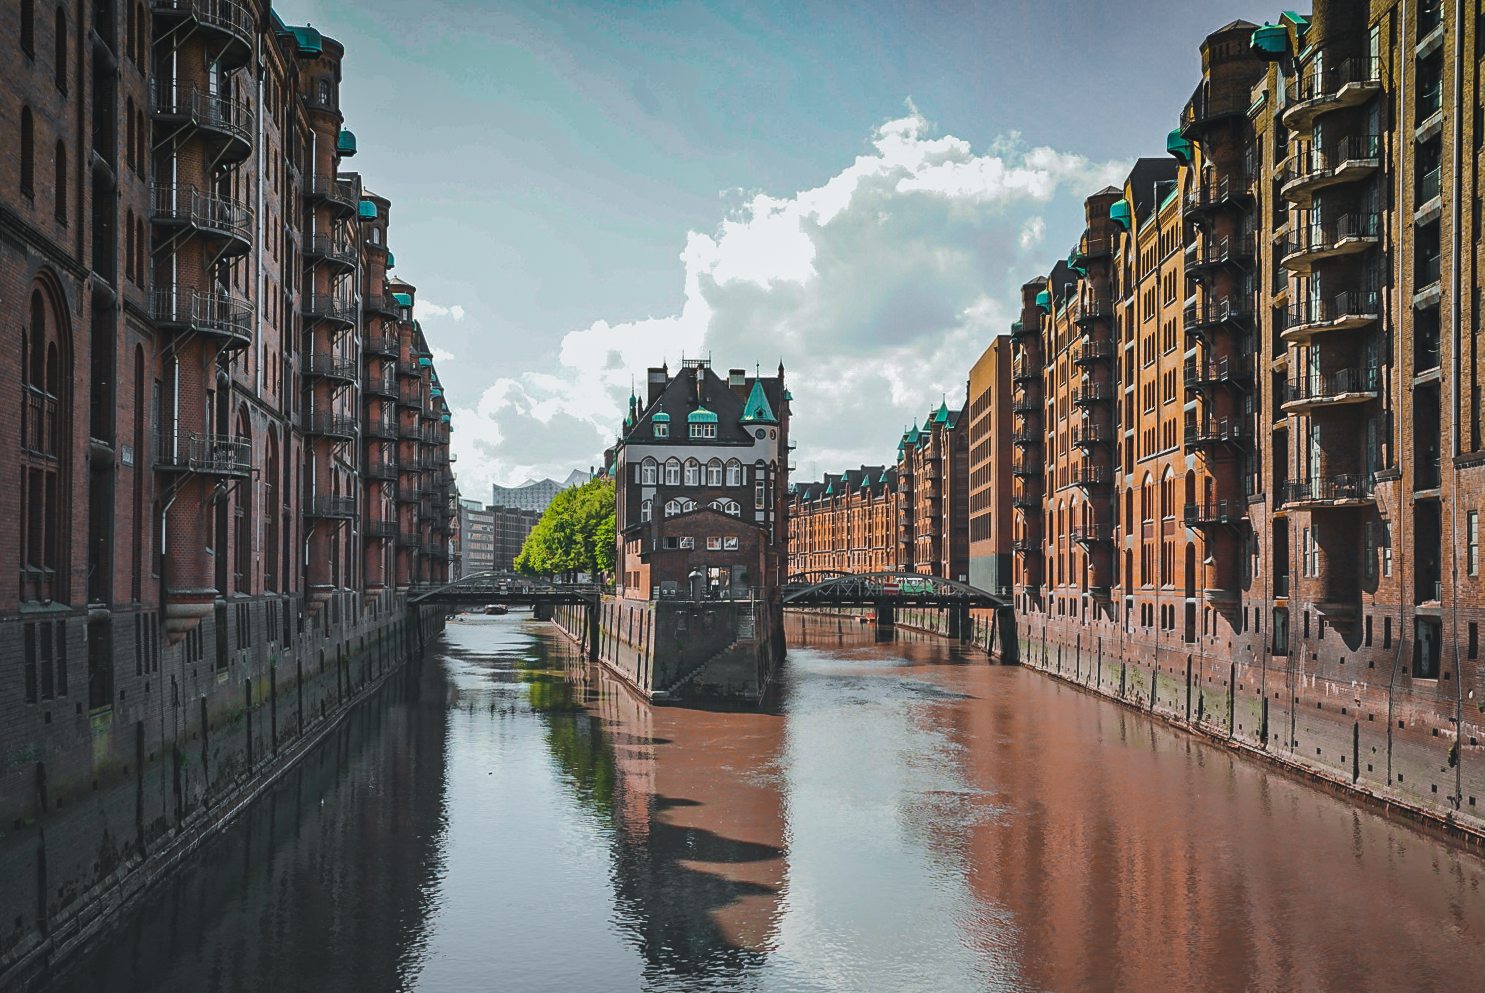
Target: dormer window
<point x="661" y="425"/>
<point x="702" y="423"/>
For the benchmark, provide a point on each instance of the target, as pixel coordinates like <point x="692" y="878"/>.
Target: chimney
<point x="737" y="381"/>
<point x="658" y="378"/>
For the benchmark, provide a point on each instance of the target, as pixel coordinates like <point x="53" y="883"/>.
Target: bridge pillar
<point x="1005" y="635"/>
<point x="541" y="611"/>
<point x="594" y="654"/>
<point x="886" y="616"/>
<point x="959" y="623"/>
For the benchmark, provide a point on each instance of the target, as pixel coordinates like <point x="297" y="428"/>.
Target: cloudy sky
<point x="582" y="190"/>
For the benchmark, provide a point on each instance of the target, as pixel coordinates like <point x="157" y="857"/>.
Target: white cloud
<point x="442" y="355"/>
<point x="877" y="289"/>
<point x="428" y="309"/>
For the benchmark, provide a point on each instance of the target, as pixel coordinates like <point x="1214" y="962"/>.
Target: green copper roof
<point x="424" y="361"/>
<point x="788" y="396"/>
<point x="367" y="211"/>
<point x="403" y="299"/>
<point x="941" y="416"/>
<point x="307" y="40"/>
<point x="661" y="418"/>
<point x="883" y="477"/>
<point x="701" y="416"/>
<point x="436" y="391"/>
<point x="757" y="410"/>
<point x="1271" y="40"/>
<point x="345" y="144"/>
<point x="1178" y="146"/>
<point x="1044" y="301"/>
<point x="830" y="488"/>
<point x="391" y="260"/>
<point x="1120" y="214"/>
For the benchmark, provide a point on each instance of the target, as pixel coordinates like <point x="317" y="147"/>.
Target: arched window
<point x="734" y="473"/>
<point x="28" y="153"/>
<point x="714" y="473"/>
<point x="673" y="472"/>
<point x="271" y="512"/>
<point x="44" y="407"/>
<point x="648" y="472"/>
<point x="129" y="244"/>
<point x="324" y="93"/>
<point x="646" y="509"/>
<point x="693" y="473"/>
<point x="727" y="507"/>
<point x="242" y="516"/>
<point x="60" y="68"/>
<point x="129" y="137"/>
<point x="61" y="183"/>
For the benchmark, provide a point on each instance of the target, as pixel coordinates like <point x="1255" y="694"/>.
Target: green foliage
<point x="576" y="533"/>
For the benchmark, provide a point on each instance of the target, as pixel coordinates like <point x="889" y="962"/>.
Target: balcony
<point x="1216" y="432"/>
<point x="1093" y="534"/>
<point x="339" y="195"/>
<point x="1326" y="86"/>
<point x="410" y="369"/>
<point x="1025" y="439"/>
<point x="379" y="530"/>
<point x="1022" y="404"/>
<point x="1026" y="467"/>
<point x="1345" y="490"/>
<point x="1312" y="170"/>
<point x="329" y="365"/>
<point x="1212" y="195"/>
<point x="208" y="455"/>
<point x="185" y="210"/>
<point x="227" y="124"/>
<point x="330" y="308"/>
<point x="1025" y="546"/>
<point x="380" y="386"/>
<point x="1344" y="312"/>
<point x="229" y="23"/>
<point x="1090" y="476"/>
<point x="1341" y="388"/>
<point x="1091" y="393"/>
<point x="225" y="319"/>
<point x="409" y="431"/>
<point x="1085" y="312"/>
<point x="1088" y="435"/>
<point x="333" y="253"/>
<point x="1025" y="500"/>
<point x="381" y="469"/>
<point x="384" y="304"/>
<point x="1218" y="513"/>
<point x="381" y="345"/>
<point x="1088" y="352"/>
<point x="1225" y="371"/>
<point x="330" y="425"/>
<point x="1212" y="253"/>
<point x="1024" y="372"/>
<point x="381" y="428"/>
<point x="1347" y="235"/>
<point x="331" y="507"/>
<point x="1206" y="110"/>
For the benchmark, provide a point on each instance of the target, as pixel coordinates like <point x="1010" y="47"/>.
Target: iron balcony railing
<point x="1092" y="393"/>
<point x="1349" y="307"/>
<point x="216" y="314"/>
<point x="338" y="192"/>
<point x="1022" y="371"/>
<point x="325" y="248"/>
<point x="1430" y="185"/>
<point x="329" y="307"/>
<point x="381" y="345"/>
<point x="382" y="303"/>
<point x="329" y="425"/>
<point x="1332" y="386"/>
<point x="379" y="529"/>
<point x="1085" y="311"/>
<point x="1025" y="546"/>
<point x="1348" y="487"/>
<point x="380" y="469"/>
<point x="1203" y="433"/>
<point x="1206" y="108"/>
<point x="1311" y="164"/>
<point x="331" y="365"/>
<point x="1025" y="438"/>
<point x="381" y="386"/>
<point x="1220" y="371"/>
<point x="1022" y="404"/>
<point x="1213" y="193"/>
<point x="1235" y="310"/>
<point x="408" y="368"/>
<point x="1218" y="251"/>
<point x="408" y="431"/>
<point x="1096" y="246"/>
<point x="1088" y="352"/>
<point x="225" y="16"/>
<point x="212" y="455"/>
<point x="332" y="506"/>
<point x="204" y="212"/>
<point x="1091" y="475"/>
<point x="1026" y="467"/>
<point x="1084" y="435"/>
<point x="381" y="427"/>
<point x="1215" y="512"/>
<point x="1331" y="236"/>
<point x="1091" y="534"/>
<point x="213" y="111"/>
<point x="1324" y="79"/>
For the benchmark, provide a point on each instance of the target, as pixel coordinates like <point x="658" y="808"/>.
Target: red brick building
<point x="232" y="445"/>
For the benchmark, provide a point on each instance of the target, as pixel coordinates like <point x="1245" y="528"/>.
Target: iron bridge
<point x="885" y="589"/>
<point x="507" y="589"/>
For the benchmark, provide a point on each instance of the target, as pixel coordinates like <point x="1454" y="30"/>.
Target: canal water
<point x="907" y="818"/>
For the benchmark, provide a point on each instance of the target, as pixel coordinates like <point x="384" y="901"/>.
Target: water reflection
<point x="904" y="818"/>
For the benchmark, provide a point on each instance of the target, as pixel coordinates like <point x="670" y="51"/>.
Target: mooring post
<point x="886" y="616"/>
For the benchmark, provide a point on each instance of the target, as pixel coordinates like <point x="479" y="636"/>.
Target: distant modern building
<point x="491" y="537"/>
<point x="534" y="494"/>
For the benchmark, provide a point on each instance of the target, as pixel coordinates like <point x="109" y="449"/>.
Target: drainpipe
<point x="1455" y="406"/>
<point x="260" y="280"/>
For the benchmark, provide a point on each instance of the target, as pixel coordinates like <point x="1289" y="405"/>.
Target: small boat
<point x="495" y="609"/>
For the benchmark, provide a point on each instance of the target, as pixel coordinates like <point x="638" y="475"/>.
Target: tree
<point x="576" y="533"/>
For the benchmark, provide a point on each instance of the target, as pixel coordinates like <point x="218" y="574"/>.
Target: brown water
<point x="504" y="818"/>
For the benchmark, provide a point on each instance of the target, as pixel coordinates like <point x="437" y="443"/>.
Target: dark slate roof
<point x="680" y="399"/>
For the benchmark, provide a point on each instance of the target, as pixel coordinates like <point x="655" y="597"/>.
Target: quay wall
<point x="96" y="806"/>
<point x="1347" y="721"/>
<point x="675" y="651"/>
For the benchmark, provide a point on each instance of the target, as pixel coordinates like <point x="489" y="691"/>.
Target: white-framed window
<point x="727" y="507"/>
<point x="687" y="541"/>
<point x="1386" y="556"/>
<point x="713" y="544"/>
<point x="662" y="430"/>
<point x="1310" y="554"/>
<point x="693" y="473"/>
<point x="706" y="430"/>
<point x="714" y="473"/>
<point x="646" y="510"/>
<point x="729" y="542"/>
<point x="673" y="473"/>
<point x="649" y="471"/>
<point x="734" y="473"/>
<point x="760" y="495"/>
<point x="1472" y="541"/>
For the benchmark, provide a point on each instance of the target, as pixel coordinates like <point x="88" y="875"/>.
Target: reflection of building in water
<point x="699" y="867"/>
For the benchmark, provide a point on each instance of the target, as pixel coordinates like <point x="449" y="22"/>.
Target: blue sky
<point x="576" y="191"/>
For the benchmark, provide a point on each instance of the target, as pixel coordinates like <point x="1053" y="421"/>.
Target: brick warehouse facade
<point x="233" y="446"/>
<point x="1244" y="479"/>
